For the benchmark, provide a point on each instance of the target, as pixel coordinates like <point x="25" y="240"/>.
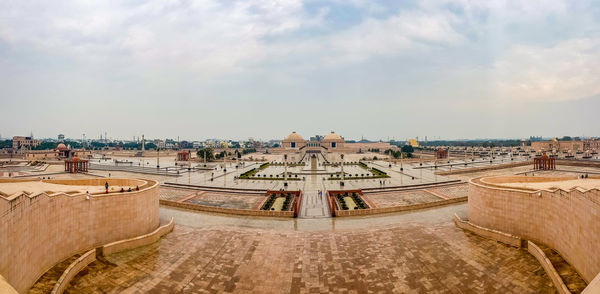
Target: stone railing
<point x="138" y="241"/>
<point x="72" y="270"/>
<point x="488" y="233"/>
<point x="538" y="253"/>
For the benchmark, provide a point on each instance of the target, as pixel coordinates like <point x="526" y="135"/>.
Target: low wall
<point x="379" y="210"/>
<point x="538" y="253"/>
<point x="135" y="242"/>
<point x="74" y="268"/>
<point x="37" y="231"/>
<point x="567" y="221"/>
<point x="487" y="233"/>
<point x="484" y="168"/>
<point x="248" y="212"/>
<point x="99" y="182"/>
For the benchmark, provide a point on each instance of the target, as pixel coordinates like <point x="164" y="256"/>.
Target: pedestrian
<point x="106" y="186"/>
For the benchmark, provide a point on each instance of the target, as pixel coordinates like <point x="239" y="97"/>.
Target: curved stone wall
<point x="37" y="231"/>
<point x="567" y="221"/>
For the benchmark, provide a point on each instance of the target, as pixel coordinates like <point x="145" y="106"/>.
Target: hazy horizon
<point x="239" y="69"/>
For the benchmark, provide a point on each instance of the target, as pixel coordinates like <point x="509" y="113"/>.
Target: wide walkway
<point x="313" y="205"/>
<point x="417" y="252"/>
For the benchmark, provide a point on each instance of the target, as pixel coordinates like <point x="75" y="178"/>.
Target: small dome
<point x="332" y="137"/>
<point x="61" y="147"/>
<point x="293" y="137"/>
<point x="76" y="158"/>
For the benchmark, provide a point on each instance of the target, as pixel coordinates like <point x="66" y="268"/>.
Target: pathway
<point x="312" y="205"/>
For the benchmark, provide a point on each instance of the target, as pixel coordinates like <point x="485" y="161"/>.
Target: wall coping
<point x="539" y="254"/>
<point x="72" y="270"/>
<point x="496" y="235"/>
<point x="14" y="197"/>
<point x="480" y="183"/>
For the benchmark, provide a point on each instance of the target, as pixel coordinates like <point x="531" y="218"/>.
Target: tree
<point x="5" y="144"/>
<point x="209" y="153"/>
<point x="408" y="149"/>
<point x="46" y="145"/>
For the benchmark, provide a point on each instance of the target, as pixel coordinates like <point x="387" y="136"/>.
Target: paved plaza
<point x="414" y="252"/>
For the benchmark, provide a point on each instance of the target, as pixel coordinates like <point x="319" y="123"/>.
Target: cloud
<point x="566" y="71"/>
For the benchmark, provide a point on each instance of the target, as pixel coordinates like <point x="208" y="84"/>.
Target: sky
<point x="238" y="69"/>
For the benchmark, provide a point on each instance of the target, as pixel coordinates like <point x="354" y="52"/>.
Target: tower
<point x="143" y="143"/>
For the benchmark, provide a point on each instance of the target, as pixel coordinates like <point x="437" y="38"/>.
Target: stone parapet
<point x="538" y="253"/>
<point x="39" y="230"/>
<point x="488" y="233"/>
<point x="74" y="268"/>
<point x="565" y="220"/>
<point x="138" y="241"/>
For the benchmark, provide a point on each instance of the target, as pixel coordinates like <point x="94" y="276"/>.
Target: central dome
<point x="294" y="137"/>
<point x="61" y="147"/>
<point x="332" y="136"/>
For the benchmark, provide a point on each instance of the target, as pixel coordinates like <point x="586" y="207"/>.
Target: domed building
<point x="332" y="141"/>
<point x="293" y="141"/>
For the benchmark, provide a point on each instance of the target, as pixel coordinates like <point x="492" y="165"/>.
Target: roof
<point x="293" y="137"/>
<point x="332" y="137"/>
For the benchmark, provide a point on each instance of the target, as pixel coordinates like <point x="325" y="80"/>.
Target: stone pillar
<point x="143" y="144"/>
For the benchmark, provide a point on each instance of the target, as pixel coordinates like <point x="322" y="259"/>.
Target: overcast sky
<point x="239" y="69"/>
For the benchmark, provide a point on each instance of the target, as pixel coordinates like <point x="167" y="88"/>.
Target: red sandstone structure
<point x="76" y="165"/>
<point x="441" y="153"/>
<point x="183" y="155"/>
<point x="544" y="162"/>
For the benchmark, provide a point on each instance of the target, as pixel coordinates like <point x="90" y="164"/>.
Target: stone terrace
<point x="409" y="256"/>
<point x="389" y="199"/>
<point x="454" y="191"/>
<point x="215" y="199"/>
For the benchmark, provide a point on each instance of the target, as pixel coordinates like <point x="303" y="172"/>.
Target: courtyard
<point x="413" y="252"/>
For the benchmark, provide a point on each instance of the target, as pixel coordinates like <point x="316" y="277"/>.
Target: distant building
<point x="413" y="142"/>
<point x="566" y="146"/>
<point x="61" y="137"/>
<point x="24" y="143"/>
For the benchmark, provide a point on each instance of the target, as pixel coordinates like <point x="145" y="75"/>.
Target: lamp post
<point x="401" y="156"/>
<point x="285" y="174"/>
<point x="157" y="157"/>
<point x="225" y="158"/>
<point x="343" y="177"/>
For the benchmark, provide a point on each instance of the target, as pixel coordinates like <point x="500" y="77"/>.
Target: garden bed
<point x="374" y="173"/>
<point x="347" y="200"/>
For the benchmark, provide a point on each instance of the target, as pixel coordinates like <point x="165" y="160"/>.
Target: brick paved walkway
<point x="428" y="256"/>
